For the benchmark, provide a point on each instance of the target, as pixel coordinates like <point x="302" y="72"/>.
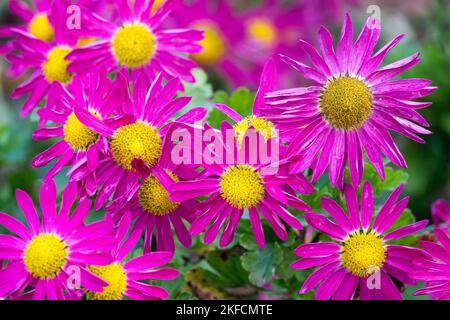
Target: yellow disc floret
<point x="213" y="44"/>
<point x="133" y="45"/>
<point x="136" y="141"/>
<point x="262" y="30"/>
<point x="242" y="186"/>
<point x="77" y="135"/>
<point x="261" y="125"/>
<point x="346" y="103"/>
<point x="363" y="253"/>
<point x="55" y="67"/>
<point x="154" y="198"/>
<point x="41" y="28"/>
<point x="116" y="277"/>
<point x="45" y="256"/>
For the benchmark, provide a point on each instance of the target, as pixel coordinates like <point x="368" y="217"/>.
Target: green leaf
<point x="228" y="267"/>
<point x="240" y="100"/>
<point x="261" y="264"/>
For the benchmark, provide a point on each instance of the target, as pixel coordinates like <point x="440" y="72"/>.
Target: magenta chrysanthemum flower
<point x="137" y="41"/>
<point x="434" y="269"/>
<point x="440" y="214"/>
<point x="359" y="255"/>
<point x="37" y="20"/>
<point x="238" y="185"/>
<point x="124" y="277"/>
<point x="353" y="104"/>
<point x="138" y="132"/>
<point x="223" y="31"/>
<point x="78" y="146"/>
<point x="45" y="255"/>
<point x="46" y="60"/>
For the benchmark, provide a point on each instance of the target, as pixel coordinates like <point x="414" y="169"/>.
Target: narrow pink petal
<point x="148" y="261"/>
<point x="318" y="276"/>
<point x="347" y="288"/>
<point x="367" y="205"/>
<point x="406" y="230"/>
<point x="321" y="223"/>
<point x="319" y="249"/>
<point x="15" y="226"/>
<point x="352" y="206"/>
<point x="257" y="227"/>
<point x="390" y="218"/>
<point x="337" y="214"/>
<point x="26" y="204"/>
<point x="307" y="263"/>
<point x="330" y="285"/>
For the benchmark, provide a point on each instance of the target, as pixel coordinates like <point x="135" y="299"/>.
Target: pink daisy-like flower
<point x="137" y="41"/>
<point x="240" y="184"/>
<point x="440" y="214"/>
<point x="149" y="203"/>
<point x="78" y="146"/>
<point x="353" y="104"/>
<point x="47" y="60"/>
<point x="434" y="269"/>
<point x="124" y="277"/>
<point x="359" y="255"/>
<point x="223" y="31"/>
<point x="38" y="21"/>
<point x="47" y="254"/>
<point x="138" y="132"/>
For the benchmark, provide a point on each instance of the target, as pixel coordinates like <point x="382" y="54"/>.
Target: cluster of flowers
<point x="113" y="93"/>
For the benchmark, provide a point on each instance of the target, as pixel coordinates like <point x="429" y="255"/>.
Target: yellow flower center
<point x="134" y="45"/>
<point x="157" y="4"/>
<point x="154" y="198"/>
<point x="55" y="67"/>
<point x="41" y="28"/>
<point x="213" y="44"/>
<point x="262" y="30"/>
<point x="242" y="186"/>
<point x="264" y="127"/>
<point x="116" y="277"/>
<point x="77" y="135"/>
<point x="45" y="256"/>
<point x="363" y="253"/>
<point x="137" y="140"/>
<point x="346" y="103"/>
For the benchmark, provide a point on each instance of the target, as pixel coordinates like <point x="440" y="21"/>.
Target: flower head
<point x="78" y="147"/>
<point x="45" y="255"/>
<point x="137" y="132"/>
<point x="359" y="249"/>
<point x="353" y="105"/>
<point x="124" y="277"/>
<point x="434" y="268"/>
<point x="137" y="41"/>
<point x="236" y="182"/>
<point x="37" y="20"/>
<point x="45" y="59"/>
